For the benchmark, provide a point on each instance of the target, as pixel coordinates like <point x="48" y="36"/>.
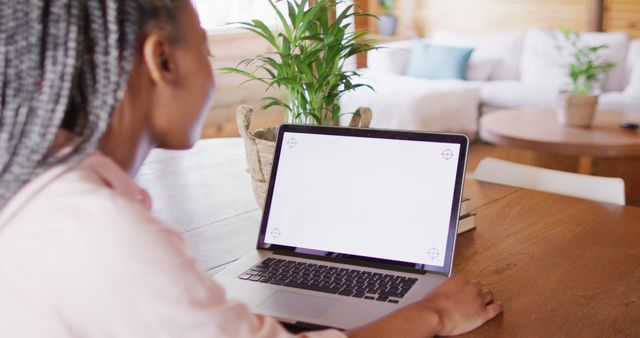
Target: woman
<point x="88" y="88"/>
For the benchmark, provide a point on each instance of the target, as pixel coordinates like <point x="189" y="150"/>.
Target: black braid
<point x="64" y="64"/>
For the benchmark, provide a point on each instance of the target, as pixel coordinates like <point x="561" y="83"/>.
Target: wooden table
<point x="605" y="149"/>
<point x="561" y="266"/>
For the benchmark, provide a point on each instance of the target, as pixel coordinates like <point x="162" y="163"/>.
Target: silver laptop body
<point x="351" y="211"/>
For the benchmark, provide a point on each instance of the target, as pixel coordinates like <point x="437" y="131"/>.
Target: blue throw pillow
<point x="435" y="62"/>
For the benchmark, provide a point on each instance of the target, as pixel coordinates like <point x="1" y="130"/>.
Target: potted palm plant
<point x="308" y="63"/>
<point x="577" y="105"/>
<point x="387" y="22"/>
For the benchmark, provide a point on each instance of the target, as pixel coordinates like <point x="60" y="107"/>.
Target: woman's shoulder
<point x="85" y="241"/>
<point x="87" y="216"/>
<point x="94" y="195"/>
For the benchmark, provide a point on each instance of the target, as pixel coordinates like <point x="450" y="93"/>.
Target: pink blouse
<point x="82" y="256"/>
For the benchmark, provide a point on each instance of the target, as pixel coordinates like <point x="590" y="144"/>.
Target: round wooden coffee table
<point x="604" y="149"/>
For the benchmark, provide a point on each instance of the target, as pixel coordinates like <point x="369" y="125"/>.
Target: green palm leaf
<point x="308" y="59"/>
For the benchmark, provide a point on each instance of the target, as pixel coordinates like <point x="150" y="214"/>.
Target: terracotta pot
<point x="576" y="110"/>
<point x="260" y="145"/>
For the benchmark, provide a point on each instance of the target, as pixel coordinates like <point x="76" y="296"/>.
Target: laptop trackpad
<point x="297" y="304"/>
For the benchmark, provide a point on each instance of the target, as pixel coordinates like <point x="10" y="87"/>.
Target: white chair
<point x="601" y="189"/>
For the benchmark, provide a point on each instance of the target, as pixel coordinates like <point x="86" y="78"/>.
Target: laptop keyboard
<point x="330" y="279"/>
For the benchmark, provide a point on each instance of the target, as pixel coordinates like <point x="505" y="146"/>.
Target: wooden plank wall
<point x="421" y="17"/>
<point x="623" y="15"/>
<point x="228" y="50"/>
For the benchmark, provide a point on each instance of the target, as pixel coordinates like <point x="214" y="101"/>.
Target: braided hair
<point x="64" y="64"/>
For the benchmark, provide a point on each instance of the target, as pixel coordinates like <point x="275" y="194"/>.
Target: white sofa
<point x="506" y="70"/>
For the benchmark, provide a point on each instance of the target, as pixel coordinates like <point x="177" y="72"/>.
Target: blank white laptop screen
<point x="373" y="197"/>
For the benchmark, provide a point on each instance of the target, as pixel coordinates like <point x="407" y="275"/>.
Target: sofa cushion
<point x="618" y="101"/>
<point x="514" y="94"/>
<point x="405" y="102"/>
<point x="633" y="69"/>
<point x="497" y="54"/>
<point x="390" y="58"/>
<point x="435" y="62"/>
<point x="633" y="88"/>
<point x="543" y="64"/>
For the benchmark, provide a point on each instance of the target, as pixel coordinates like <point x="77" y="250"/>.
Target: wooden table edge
<point x="617" y="151"/>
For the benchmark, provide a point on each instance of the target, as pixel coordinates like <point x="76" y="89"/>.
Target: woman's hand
<point x="462" y="305"/>
<point x="457" y="306"/>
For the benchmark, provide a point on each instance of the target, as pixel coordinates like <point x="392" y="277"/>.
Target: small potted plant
<point x="308" y="63"/>
<point x="387" y="22"/>
<point x="577" y="105"/>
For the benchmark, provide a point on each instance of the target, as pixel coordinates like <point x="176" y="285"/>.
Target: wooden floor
<point x="480" y="150"/>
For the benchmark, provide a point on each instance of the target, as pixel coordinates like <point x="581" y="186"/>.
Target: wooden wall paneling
<point x="228" y="50"/>
<point x="492" y="15"/>
<point x="423" y="17"/>
<point x="623" y="15"/>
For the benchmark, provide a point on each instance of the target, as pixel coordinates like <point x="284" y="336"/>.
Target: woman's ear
<point x="159" y="60"/>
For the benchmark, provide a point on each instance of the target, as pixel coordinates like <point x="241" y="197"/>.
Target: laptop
<point x="357" y="223"/>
